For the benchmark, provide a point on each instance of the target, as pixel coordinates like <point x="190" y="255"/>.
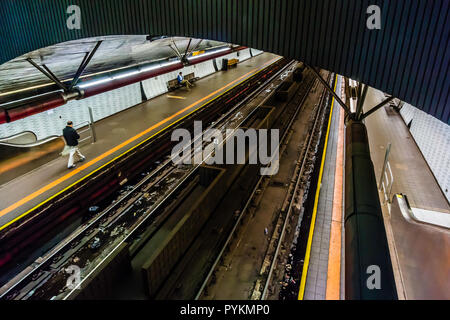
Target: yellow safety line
<point x="301" y="292"/>
<point x="6" y="210"/>
<point x="334" y="254"/>
<point x="176" y="97"/>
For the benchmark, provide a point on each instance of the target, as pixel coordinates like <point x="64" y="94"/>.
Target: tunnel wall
<point x="433" y="139"/>
<point x="408" y="56"/>
<point x="52" y="121"/>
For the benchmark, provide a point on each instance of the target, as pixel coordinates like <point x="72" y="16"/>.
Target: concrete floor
<point x="420" y="253"/>
<point x="236" y="276"/>
<point x="412" y="176"/>
<point x="118" y="133"/>
<point x="316" y="280"/>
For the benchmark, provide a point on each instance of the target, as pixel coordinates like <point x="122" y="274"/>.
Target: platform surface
<point x="319" y="263"/>
<point x="420" y="252"/>
<point x="117" y="134"/>
<point x="412" y="175"/>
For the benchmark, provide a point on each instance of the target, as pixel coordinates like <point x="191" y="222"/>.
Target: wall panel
<point x="408" y="57"/>
<point x="433" y="139"/>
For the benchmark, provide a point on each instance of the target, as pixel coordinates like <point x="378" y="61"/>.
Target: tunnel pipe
<point x="36" y="107"/>
<point x="365" y="236"/>
<point x="117" y="83"/>
<point x="59" y="98"/>
<point x="3" y="118"/>
<point x="32" y="106"/>
<point x="197" y="59"/>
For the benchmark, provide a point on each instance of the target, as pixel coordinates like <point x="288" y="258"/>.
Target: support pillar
<point x="368" y="267"/>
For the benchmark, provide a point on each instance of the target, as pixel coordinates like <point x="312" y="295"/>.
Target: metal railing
<point x="386" y="185"/>
<point x="89" y="128"/>
<point x="387" y="178"/>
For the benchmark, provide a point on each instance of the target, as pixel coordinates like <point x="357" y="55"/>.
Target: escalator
<point x="22" y="152"/>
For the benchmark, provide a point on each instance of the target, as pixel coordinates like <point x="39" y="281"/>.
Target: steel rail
<point x="294" y="191"/>
<point x="190" y="173"/>
<point x="219" y="256"/>
<point x="79" y="232"/>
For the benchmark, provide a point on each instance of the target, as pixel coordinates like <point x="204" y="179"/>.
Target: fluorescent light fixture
<point x="154" y="67"/>
<point x="352" y="106"/>
<point x="150" y="68"/>
<point x="209" y="53"/>
<point x="93" y="83"/>
<point x="170" y="63"/>
<point x="127" y="74"/>
<point x="124" y="75"/>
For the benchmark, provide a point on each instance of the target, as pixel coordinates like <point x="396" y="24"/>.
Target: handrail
<point x="17" y="135"/>
<point x="28" y="145"/>
<point x="386" y="184"/>
<point x="89" y="127"/>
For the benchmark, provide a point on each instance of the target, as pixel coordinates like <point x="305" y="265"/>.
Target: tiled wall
<point x="51" y="122"/>
<point x="243" y="55"/>
<point x="433" y="138"/>
<point x="255" y="52"/>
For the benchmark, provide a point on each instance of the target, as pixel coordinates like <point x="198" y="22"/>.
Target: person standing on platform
<point x="182" y="81"/>
<point x="71" y="136"/>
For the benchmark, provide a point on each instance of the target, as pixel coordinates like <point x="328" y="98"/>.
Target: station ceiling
<point x="407" y="57"/>
<point x="114" y="52"/>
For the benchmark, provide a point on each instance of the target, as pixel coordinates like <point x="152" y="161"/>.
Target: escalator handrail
<point x="33" y="144"/>
<point x="13" y="136"/>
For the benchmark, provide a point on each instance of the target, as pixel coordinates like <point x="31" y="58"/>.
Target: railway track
<point x="297" y="194"/>
<point x="126" y="218"/>
<point x="295" y="104"/>
<point x="267" y="283"/>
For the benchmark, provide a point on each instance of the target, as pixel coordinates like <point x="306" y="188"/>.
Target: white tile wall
<point x="155" y="86"/>
<point x="433" y="138"/>
<point x="228" y="56"/>
<point x="244" y="55"/>
<point x="407" y="112"/>
<point x="53" y="121"/>
<point x="202" y="69"/>
<point x="255" y="52"/>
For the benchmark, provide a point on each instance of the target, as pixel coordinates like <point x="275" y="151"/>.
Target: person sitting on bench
<point x="182" y="81"/>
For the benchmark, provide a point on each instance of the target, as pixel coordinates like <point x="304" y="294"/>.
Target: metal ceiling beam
<point x="358" y="91"/>
<point x="54" y="77"/>
<point x="87" y="58"/>
<point x="327" y="86"/>
<point x="360" y="102"/>
<point x="187" y="50"/>
<point x="196" y="46"/>
<point x="378" y="106"/>
<point x="46" y="71"/>
<point x="176" y="49"/>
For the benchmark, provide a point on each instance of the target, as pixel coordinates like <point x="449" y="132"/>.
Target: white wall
<point x="433" y="138"/>
<point x="155" y="86"/>
<point x="105" y="104"/>
<point x="52" y="121"/>
<point x="244" y="55"/>
<point x="256" y="52"/>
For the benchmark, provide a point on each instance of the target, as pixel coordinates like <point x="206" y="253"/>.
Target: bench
<point x="173" y="84"/>
<point x="229" y="63"/>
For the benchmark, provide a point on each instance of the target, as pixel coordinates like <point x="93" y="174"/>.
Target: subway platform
<point x="419" y="244"/>
<point x="324" y="266"/>
<point x="116" y="136"/>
